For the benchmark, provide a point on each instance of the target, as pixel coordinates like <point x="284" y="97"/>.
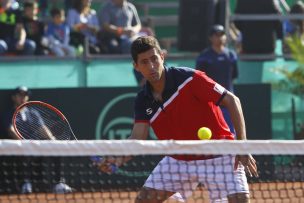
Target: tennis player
<point x="176" y="102"/>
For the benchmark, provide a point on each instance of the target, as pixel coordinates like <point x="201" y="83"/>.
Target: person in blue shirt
<point x="120" y="26"/>
<point x="219" y="63"/>
<point x="58" y="35"/>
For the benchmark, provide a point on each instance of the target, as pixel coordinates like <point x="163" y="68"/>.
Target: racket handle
<point x="98" y="159"/>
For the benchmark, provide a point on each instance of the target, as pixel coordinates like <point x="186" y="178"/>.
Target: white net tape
<point x="140" y="147"/>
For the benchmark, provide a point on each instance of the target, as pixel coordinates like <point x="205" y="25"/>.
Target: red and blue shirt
<point x="190" y="101"/>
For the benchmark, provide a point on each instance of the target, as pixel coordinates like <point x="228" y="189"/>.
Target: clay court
<point x="289" y="192"/>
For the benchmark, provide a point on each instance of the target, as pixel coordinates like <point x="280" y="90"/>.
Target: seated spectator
<point x="120" y="25"/>
<point x="12" y="32"/>
<point x="58" y="35"/>
<point x="259" y="37"/>
<point x="34" y="28"/>
<point x="292" y="27"/>
<point x="84" y="24"/>
<point x="147" y="28"/>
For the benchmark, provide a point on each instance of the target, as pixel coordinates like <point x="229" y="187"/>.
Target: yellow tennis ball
<point x="204" y="133"/>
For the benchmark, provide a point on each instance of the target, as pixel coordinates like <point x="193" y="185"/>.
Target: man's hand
<point x="109" y="164"/>
<point x="20" y="46"/>
<point x="248" y="162"/>
<point x="129" y="32"/>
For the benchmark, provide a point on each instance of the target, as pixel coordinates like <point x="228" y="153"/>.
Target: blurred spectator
<point x="120" y="25"/>
<point x="34" y="28"/>
<point x="259" y="37"/>
<point x="18" y="96"/>
<point x="234" y="37"/>
<point x="58" y="35"/>
<point x="146" y="28"/>
<point x="219" y="63"/>
<point x="295" y="26"/>
<point x="12" y="33"/>
<point x="85" y="25"/>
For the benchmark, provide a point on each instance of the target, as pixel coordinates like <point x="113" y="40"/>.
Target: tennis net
<point x="62" y="171"/>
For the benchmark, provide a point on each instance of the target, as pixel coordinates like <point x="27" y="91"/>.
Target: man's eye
<point x="154" y="59"/>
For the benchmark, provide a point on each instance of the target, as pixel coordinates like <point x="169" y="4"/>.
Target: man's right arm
<point x="140" y="131"/>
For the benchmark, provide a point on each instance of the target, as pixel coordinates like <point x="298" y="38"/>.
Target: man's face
<point x="150" y="65"/>
<point x="31" y="12"/>
<point x="58" y="19"/>
<point x="218" y="39"/>
<point x="20" y="98"/>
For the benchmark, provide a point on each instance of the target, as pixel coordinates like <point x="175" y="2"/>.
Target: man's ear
<point x="162" y="55"/>
<point x="135" y="66"/>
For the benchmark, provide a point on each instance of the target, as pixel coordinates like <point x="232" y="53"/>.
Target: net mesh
<point x="62" y="171"/>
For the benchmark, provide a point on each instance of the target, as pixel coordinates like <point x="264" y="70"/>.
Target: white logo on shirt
<point x="219" y="89"/>
<point x="149" y="111"/>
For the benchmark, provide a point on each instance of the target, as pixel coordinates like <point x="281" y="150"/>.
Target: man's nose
<point x="151" y="65"/>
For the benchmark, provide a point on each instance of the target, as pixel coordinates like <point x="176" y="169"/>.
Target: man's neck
<point x="158" y="87"/>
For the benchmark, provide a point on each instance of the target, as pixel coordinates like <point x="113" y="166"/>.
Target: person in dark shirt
<point x="219" y="63"/>
<point x="27" y="168"/>
<point x="12" y="32"/>
<point x="259" y="37"/>
<point x="34" y="28"/>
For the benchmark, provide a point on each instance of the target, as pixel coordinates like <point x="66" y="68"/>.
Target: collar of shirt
<point x="169" y="85"/>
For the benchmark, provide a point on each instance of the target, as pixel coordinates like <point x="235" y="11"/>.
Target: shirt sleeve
<point x="72" y="17"/>
<point x="135" y="19"/>
<point x="105" y="15"/>
<point x="205" y="89"/>
<point x="140" y="115"/>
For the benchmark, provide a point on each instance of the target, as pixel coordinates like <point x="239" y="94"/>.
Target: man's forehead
<point x="147" y="54"/>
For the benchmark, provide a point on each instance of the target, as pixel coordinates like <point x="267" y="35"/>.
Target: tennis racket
<point x="36" y="120"/>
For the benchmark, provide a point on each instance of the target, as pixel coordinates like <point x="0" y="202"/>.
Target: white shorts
<point x="182" y="177"/>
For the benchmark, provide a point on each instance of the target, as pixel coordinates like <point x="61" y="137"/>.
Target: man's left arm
<point x="233" y="104"/>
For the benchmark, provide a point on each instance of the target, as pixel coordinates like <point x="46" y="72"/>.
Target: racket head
<point x="37" y="120"/>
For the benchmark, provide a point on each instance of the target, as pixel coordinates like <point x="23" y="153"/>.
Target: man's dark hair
<point x="56" y="11"/>
<point x="143" y="44"/>
<point x="29" y="4"/>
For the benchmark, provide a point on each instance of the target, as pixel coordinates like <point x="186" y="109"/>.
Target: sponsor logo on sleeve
<point x="219" y="89"/>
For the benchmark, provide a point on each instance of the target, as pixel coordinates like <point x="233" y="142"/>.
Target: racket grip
<point x="98" y="159"/>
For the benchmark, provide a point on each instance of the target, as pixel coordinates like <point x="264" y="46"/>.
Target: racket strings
<point x="39" y="122"/>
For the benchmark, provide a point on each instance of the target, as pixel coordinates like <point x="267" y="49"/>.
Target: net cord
<point x="144" y="147"/>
